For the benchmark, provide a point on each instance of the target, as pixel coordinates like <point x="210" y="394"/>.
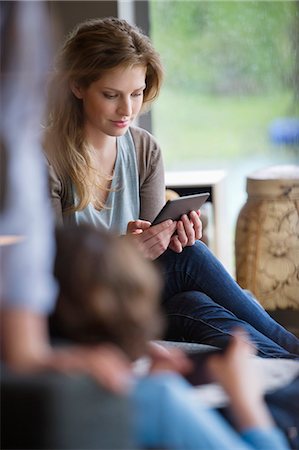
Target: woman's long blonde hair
<point x="92" y="48"/>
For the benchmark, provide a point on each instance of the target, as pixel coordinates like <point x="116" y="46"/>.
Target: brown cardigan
<point x="151" y="181"/>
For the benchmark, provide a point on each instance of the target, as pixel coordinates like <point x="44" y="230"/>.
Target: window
<point x="231" y="69"/>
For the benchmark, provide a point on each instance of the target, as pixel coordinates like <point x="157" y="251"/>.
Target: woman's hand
<point x="189" y="229"/>
<point x="152" y="241"/>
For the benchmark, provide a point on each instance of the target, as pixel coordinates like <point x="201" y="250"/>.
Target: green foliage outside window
<point x="231" y="68"/>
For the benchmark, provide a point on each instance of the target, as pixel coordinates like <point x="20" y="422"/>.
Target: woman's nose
<point x="125" y="107"/>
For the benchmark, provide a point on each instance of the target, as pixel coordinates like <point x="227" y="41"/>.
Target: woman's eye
<point x="137" y="94"/>
<point x="109" y="96"/>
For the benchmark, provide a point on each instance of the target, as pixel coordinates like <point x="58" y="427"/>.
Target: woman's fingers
<point x="158" y="241"/>
<point x="197" y="224"/>
<point x="185" y="231"/>
<point x="175" y="244"/>
<point x="189" y="229"/>
<point x="155" y="240"/>
<point x="137" y="226"/>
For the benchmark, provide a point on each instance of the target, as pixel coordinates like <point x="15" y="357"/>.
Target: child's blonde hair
<point x="108" y="291"/>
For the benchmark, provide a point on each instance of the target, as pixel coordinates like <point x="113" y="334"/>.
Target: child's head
<point x="108" y="291"/>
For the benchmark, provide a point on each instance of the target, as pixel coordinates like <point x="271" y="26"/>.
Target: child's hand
<point x="168" y="359"/>
<point x="233" y="368"/>
<point x="234" y="371"/>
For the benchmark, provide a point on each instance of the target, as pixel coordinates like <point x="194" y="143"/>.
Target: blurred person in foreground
<point x="27" y="287"/>
<point x="108" y="294"/>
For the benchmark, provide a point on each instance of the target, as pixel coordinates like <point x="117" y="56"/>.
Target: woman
<point x="110" y="174"/>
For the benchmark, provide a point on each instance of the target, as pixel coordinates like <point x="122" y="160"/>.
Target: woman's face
<point x="111" y="103"/>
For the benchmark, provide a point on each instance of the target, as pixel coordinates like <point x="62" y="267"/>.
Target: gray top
<point x="123" y="202"/>
<point x="150" y="180"/>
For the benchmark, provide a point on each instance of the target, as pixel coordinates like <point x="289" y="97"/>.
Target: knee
<point x="198" y="247"/>
<point x="184" y="301"/>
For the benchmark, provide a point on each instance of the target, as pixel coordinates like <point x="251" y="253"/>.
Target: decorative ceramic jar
<point x="267" y="237"/>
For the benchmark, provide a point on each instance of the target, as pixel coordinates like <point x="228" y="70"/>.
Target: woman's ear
<point x="76" y="89"/>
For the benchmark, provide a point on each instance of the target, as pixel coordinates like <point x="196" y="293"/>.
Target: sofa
<point x="61" y="412"/>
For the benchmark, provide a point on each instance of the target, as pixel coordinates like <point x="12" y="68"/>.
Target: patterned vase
<point x="267" y="238"/>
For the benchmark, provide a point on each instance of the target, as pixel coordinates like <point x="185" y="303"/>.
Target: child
<point x="110" y="294"/>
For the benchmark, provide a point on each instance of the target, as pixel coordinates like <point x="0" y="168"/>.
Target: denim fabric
<point x="204" y="303"/>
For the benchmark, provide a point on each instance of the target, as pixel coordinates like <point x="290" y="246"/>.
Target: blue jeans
<point x="204" y="303"/>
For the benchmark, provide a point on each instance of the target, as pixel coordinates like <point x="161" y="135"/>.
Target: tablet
<point x="174" y="209"/>
<point x="199" y="373"/>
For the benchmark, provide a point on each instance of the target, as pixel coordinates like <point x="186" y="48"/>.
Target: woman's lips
<point x="121" y="123"/>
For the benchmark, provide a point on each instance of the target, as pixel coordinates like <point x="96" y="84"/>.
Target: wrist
<point x="249" y="413"/>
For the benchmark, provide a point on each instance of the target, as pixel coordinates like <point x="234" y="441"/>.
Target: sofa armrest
<point x="55" y="411"/>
